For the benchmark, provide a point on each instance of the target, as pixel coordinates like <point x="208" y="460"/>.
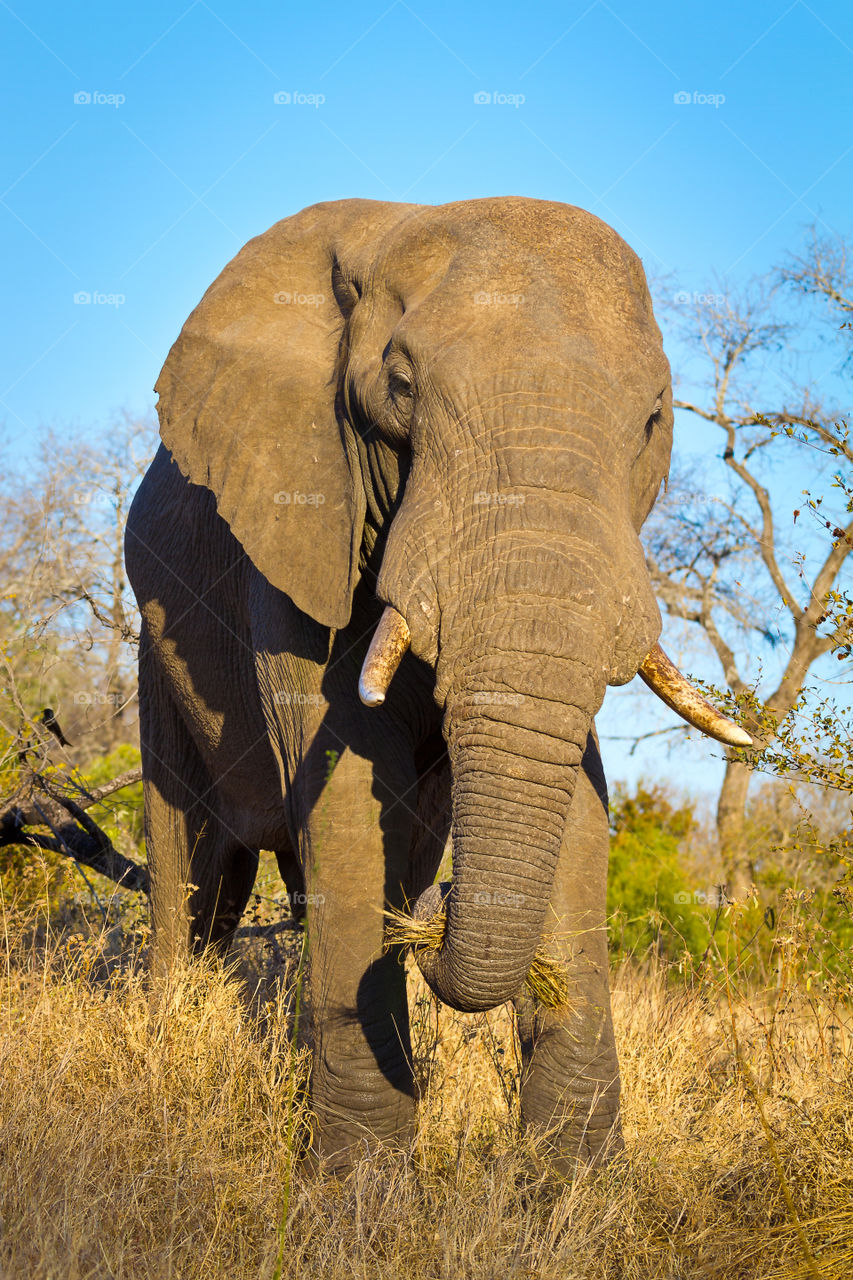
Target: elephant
<point x="387" y="559"/>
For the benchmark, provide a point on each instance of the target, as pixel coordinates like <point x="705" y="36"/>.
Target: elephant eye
<point x="650" y="425"/>
<point x="400" y="385"/>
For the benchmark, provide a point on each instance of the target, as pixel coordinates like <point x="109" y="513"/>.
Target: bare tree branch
<point x="41" y="803"/>
<point x="767" y="539"/>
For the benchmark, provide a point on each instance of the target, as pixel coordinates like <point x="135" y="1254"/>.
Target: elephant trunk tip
<point x="424" y="931"/>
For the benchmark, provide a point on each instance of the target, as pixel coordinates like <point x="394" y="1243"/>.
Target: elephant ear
<point x="248" y="400"/>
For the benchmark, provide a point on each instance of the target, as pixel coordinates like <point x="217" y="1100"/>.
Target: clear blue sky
<point x="143" y="146"/>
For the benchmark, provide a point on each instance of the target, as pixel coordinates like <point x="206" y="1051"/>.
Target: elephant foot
<point x="356" y="1122"/>
<point x="574" y="1147"/>
<point x="337" y="1151"/>
<point x="576" y="1129"/>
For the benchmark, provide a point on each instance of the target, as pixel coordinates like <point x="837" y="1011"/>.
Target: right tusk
<point x="664" y="679"/>
<point x="391" y="639"/>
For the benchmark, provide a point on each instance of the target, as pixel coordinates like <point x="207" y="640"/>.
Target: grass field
<point x="135" y="1144"/>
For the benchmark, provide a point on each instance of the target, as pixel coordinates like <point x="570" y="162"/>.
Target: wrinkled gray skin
<point x="332" y="413"/>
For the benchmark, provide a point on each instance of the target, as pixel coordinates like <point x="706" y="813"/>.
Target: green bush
<point x="798" y="927"/>
<point x="652" y="900"/>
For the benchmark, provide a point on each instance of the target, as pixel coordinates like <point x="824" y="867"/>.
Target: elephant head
<point x="468" y="408"/>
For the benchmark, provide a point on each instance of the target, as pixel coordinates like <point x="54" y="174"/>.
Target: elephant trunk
<point x="514" y="754"/>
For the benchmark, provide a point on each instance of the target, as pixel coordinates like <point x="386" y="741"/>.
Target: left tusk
<point x="664" y="679"/>
<point x="391" y="639"/>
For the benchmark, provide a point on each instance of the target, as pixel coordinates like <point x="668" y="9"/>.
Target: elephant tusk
<point x="391" y="639"/>
<point x="663" y="678"/>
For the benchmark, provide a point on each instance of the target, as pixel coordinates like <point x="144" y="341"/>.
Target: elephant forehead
<point x="511" y="235"/>
<point x="480" y="281"/>
<point x="536" y="362"/>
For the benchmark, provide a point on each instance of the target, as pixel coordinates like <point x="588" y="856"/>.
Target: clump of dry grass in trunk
<point x="547" y="979"/>
<point x="156" y="1143"/>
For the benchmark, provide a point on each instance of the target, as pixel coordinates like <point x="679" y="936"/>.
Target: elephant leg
<point x="294" y="881"/>
<point x="222" y="871"/>
<point x="570" y="1078"/>
<point x="201" y="871"/>
<point x="355" y="846"/>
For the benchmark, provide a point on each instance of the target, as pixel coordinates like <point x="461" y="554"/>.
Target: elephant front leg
<point x="356" y="844"/>
<point x="570" y="1081"/>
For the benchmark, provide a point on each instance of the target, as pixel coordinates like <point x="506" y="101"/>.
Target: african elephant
<point x="451" y="420"/>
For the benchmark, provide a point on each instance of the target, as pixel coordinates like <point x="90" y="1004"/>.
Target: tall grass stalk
<point x="291" y="1111"/>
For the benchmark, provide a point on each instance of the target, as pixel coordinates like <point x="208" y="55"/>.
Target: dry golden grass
<point x="140" y="1143"/>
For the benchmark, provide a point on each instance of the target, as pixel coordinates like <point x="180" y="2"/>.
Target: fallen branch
<point x="39" y="802"/>
<point x="21" y="803"/>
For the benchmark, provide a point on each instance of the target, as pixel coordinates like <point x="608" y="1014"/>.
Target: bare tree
<point x="727" y="563"/>
<point x="67" y="620"/>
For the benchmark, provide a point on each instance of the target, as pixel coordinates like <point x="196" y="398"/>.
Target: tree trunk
<point x="731" y="828"/>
